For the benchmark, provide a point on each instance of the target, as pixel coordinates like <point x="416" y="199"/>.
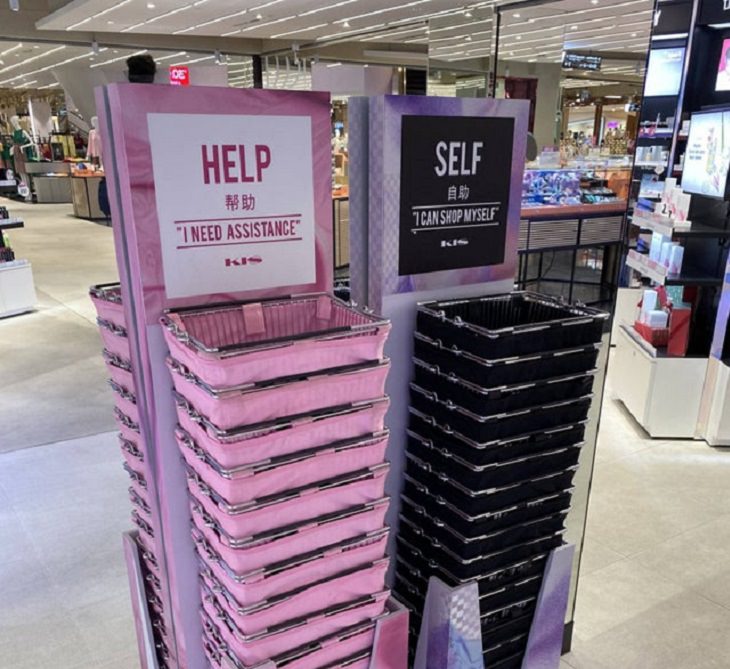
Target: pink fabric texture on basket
<point x="134" y="460"/>
<point x="109" y="311"/>
<point x="304" y="433"/>
<point x="330" y="652"/>
<point x="115" y="343"/>
<point x="259" y="587"/>
<point x="258" y="405"/>
<point x="309" y="537"/>
<point x="322" y="595"/>
<point x="227" y="326"/>
<point x="294" y="509"/>
<point x="327" y="463"/>
<point x="262" y="649"/>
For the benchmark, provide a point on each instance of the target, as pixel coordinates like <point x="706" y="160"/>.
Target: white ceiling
<point x="454" y="30"/>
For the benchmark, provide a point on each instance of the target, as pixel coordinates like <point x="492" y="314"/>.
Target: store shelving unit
<point x="17" y="292"/>
<point x="647" y="379"/>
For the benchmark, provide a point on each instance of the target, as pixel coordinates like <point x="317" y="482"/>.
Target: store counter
<point x="582" y="243"/>
<point x="51" y="182"/>
<point x="85" y="192"/>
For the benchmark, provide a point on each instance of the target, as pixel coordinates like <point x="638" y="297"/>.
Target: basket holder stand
<point x="151" y="269"/>
<point x="375" y="212"/>
<point x="450" y="634"/>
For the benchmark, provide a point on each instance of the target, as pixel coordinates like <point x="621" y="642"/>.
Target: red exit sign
<point x="179" y="75"/>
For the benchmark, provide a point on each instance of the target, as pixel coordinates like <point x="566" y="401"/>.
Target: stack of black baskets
<point x="501" y="393"/>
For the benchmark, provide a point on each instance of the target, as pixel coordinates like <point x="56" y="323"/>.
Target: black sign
<point x="454" y="192"/>
<point x="574" y="61"/>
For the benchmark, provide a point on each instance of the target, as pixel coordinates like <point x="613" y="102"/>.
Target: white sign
<point x="235" y="201"/>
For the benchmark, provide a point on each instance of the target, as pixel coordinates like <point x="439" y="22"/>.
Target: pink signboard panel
<point x="217" y="194"/>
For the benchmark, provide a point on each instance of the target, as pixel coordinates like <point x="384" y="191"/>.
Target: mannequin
<point x="22" y="145"/>
<point x="93" y="150"/>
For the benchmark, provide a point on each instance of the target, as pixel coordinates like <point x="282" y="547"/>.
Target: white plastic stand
<point x="17" y="292"/>
<point x="662" y="393"/>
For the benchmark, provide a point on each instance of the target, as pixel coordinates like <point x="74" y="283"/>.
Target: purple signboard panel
<point x="477" y="176"/>
<point x="217" y="194"/>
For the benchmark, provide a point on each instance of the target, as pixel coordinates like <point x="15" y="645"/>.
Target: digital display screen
<point x="722" y="83"/>
<point x="664" y="74"/>
<point x="707" y="156"/>
<point x="574" y="61"/>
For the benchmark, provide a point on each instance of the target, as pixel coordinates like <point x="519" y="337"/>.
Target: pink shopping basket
<point x="276" y="579"/>
<point x="295" y="633"/>
<point x="120" y="370"/>
<point x="140" y="504"/>
<point x="271" y="477"/>
<point x="234" y="344"/>
<point x="329" y="496"/>
<point x="128" y="428"/>
<point x="125" y="401"/>
<point x="337" y="651"/>
<point x="317" y="596"/>
<point x="114" y="338"/>
<point x="107" y="298"/>
<point x="255" y="403"/>
<point x="133" y="454"/>
<point x="253" y="443"/>
<point x="255" y="552"/>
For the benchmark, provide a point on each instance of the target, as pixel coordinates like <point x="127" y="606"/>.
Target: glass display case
<point x="569" y="186"/>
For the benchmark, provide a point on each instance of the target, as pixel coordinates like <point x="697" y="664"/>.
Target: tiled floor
<point x="655" y="584"/>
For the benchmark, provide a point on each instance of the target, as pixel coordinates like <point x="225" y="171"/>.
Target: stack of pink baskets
<point x="281" y="413"/>
<point x="107" y="299"/>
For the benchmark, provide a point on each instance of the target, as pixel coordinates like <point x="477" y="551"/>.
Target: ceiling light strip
<point x="103" y="12"/>
<point x="32" y="59"/>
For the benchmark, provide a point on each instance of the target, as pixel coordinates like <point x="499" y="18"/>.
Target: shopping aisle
<point x="654" y="591"/>
<point x="53" y="376"/>
<point x="655" y="586"/>
<point x="63" y="504"/>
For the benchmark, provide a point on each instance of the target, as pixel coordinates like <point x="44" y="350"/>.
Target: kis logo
<point x="243" y="262"/>
<point x="452" y="243"/>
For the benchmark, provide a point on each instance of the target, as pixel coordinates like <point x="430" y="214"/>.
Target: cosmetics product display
<point x="107" y="299"/>
<point x="490" y="459"/>
<point x="281" y="413"/>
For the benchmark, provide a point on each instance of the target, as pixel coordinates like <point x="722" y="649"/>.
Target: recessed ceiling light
<point x="467" y="13"/>
<point x="346" y="24"/>
<point x="633" y="34"/>
<point x="150" y="5"/>
<point x="531" y="20"/>
<point x="574" y="27"/>
<point x="35" y="46"/>
<point x="110" y="23"/>
<point x="594" y="2"/>
<point x="518" y="37"/>
<point x="259" y="17"/>
<point x="468" y="38"/>
<point x="516" y="15"/>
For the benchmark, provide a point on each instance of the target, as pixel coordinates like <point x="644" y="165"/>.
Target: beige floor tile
<point x="684" y="631"/>
<point x="615" y="594"/>
<point x="596" y="555"/>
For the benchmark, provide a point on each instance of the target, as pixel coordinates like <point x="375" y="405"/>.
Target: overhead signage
<point x="179" y="75"/>
<point x="454" y="192"/>
<point x="235" y="201"/>
<point x="574" y="61"/>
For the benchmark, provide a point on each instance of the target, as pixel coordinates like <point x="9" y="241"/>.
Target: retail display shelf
<point x="665" y="133"/>
<point x="646" y="267"/>
<point x="650" y="163"/>
<point x="690" y="276"/>
<point x="7" y="183"/>
<point x="693" y="276"/>
<point x="11" y="223"/>
<point x="12" y="264"/>
<point x="702" y="230"/>
<point x="656" y="223"/>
